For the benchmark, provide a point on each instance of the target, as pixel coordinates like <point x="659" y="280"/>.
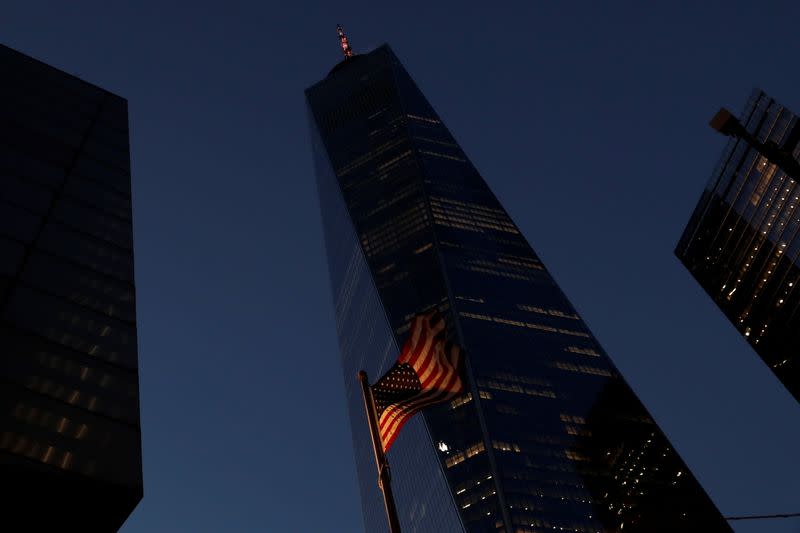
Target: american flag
<point x="427" y="371"/>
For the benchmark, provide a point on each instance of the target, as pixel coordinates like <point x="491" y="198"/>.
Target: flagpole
<point x="384" y="475"/>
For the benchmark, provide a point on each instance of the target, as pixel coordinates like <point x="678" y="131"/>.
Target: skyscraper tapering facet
<point x="549" y="436"/>
<point x="70" y="457"/>
<point x="742" y="242"/>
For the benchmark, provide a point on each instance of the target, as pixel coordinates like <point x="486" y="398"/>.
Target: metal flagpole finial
<point x="346" y="50"/>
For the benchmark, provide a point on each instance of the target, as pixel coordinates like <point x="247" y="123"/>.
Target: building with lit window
<point x="549" y="436"/>
<point x="70" y="457"/>
<point x="742" y="243"/>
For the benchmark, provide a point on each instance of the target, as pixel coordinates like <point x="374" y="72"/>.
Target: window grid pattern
<point x="742" y="243"/>
<point x="69" y="398"/>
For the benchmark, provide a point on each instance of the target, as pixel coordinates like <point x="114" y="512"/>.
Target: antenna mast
<point x="346" y="50"/>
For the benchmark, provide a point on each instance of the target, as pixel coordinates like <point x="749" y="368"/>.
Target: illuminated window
<point x="460" y="457"/>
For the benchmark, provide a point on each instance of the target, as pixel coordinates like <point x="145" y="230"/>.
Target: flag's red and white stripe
<point x="437" y="364"/>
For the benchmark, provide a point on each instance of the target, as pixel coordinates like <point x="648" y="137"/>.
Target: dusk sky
<point x="589" y="120"/>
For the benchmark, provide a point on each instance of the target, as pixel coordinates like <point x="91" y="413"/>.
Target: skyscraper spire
<point x="346" y="50"/>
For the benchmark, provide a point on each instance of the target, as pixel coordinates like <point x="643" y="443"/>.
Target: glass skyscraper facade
<point x="70" y="452"/>
<point x="742" y="243"/>
<point x="549" y="436"/>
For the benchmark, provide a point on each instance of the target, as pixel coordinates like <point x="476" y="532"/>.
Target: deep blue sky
<point x="589" y="122"/>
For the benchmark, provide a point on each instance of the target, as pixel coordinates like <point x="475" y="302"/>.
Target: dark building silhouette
<point x="742" y="243"/>
<point x="70" y="456"/>
<point x="550" y="437"/>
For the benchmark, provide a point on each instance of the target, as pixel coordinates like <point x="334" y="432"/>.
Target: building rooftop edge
<point x="63" y="72"/>
<point x="339" y="66"/>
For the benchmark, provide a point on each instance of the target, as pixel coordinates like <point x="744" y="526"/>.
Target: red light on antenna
<point x="346" y="50"/>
